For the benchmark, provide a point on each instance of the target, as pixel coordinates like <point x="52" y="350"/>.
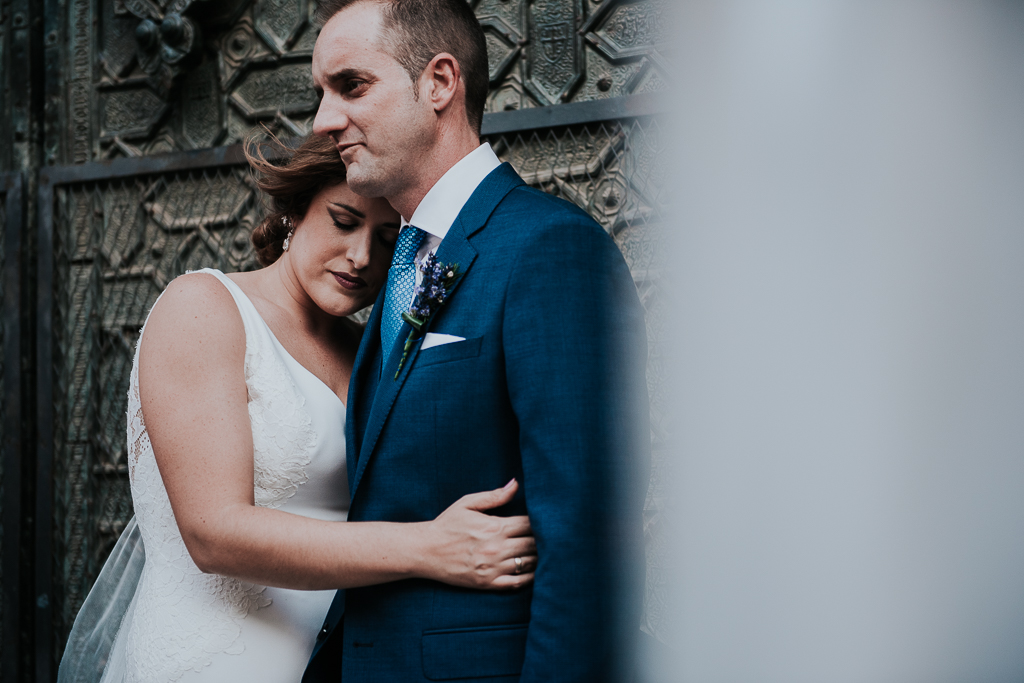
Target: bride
<point x="236" y="450"/>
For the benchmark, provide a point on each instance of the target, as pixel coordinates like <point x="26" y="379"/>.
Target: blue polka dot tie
<point x="401" y="284"/>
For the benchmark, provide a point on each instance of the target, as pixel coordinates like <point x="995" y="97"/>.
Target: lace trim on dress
<point x="183" y="617"/>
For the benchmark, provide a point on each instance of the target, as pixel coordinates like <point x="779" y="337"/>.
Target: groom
<point x="532" y="367"/>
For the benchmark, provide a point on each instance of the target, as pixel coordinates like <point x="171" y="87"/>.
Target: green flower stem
<point x="410" y="340"/>
<point x="417" y="323"/>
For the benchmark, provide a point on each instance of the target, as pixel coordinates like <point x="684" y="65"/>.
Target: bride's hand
<point x="476" y="550"/>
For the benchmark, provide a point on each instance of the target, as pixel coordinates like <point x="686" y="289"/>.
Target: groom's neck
<point x="453" y="144"/>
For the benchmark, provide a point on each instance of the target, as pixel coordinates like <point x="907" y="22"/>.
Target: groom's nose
<point x="330" y="116"/>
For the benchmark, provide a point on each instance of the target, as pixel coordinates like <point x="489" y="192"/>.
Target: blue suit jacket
<point x="548" y="387"/>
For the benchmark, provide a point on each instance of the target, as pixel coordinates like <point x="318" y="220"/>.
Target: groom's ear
<point x="444" y="83"/>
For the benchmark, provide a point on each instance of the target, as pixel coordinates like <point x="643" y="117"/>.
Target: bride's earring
<point x="291" y="231"/>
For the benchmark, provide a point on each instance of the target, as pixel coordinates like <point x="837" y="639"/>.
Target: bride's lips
<point x="349" y="281"/>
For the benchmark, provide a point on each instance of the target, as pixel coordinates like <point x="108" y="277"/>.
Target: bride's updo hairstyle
<point x="289" y="178"/>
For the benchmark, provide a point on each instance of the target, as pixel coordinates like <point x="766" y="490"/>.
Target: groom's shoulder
<point x="524" y="199"/>
<point x="534" y="212"/>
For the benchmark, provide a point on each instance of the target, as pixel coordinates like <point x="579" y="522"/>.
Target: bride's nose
<point x="358" y="252"/>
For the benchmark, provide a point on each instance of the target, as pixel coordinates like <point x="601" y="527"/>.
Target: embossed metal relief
<point x="286" y="88"/>
<point x="150" y="76"/>
<point x="555" y="65"/>
<point x="280" y="22"/>
<point x="504" y="44"/>
<point x="627" y="28"/>
<point x="202" y="107"/>
<point x="130" y="113"/>
<point x="165" y="75"/>
<point x="169" y="37"/>
<point x="571" y="50"/>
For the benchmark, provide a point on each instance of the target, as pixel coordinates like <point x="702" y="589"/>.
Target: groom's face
<point x="369" y="105"/>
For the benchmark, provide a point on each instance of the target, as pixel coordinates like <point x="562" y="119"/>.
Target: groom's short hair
<point x="418" y="30"/>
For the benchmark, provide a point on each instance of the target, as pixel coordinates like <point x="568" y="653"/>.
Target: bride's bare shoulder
<point x="195" y="313"/>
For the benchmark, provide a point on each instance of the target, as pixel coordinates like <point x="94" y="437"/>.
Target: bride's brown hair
<point x="289" y="178"/>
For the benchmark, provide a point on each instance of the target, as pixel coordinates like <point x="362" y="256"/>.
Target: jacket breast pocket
<point x="447" y="353"/>
<point x="474" y="652"/>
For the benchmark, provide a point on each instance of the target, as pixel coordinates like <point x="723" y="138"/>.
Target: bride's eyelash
<point x="342" y="226"/>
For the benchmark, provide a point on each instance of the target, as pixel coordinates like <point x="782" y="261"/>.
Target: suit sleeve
<point x="575" y="349"/>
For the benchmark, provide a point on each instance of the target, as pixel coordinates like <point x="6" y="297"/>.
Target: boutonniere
<point x="437" y="282"/>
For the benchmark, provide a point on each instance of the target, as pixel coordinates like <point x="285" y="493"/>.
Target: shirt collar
<point x="441" y="205"/>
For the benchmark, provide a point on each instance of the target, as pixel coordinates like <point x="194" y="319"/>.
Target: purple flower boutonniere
<point x="430" y="295"/>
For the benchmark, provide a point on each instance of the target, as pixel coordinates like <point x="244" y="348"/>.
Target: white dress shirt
<point x="441" y="205"/>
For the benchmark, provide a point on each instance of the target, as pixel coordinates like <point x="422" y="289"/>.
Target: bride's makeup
<point x="349" y="281"/>
<point x="346" y="248"/>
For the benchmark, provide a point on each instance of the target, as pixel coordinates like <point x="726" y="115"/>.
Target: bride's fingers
<point x="518" y="525"/>
<point x="512" y="581"/>
<point x="526" y="565"/>
<point x="519" y="547"/>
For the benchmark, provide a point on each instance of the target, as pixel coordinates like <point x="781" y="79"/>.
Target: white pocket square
<point x="434" y="339"/>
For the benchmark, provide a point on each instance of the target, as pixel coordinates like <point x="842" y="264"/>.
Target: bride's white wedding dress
<point x="187" y="626"/>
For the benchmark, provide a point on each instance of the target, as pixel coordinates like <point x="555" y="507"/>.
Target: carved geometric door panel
<point x="151" y="76"/>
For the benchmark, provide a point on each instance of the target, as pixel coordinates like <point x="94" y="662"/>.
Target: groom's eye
<point x="354" y="86"/>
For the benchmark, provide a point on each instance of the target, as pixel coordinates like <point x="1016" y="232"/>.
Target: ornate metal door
<point x="11" y="213"/>
<point x="147" y="102"/>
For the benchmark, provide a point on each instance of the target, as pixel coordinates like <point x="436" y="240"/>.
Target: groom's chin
<point x="364" y="182"/>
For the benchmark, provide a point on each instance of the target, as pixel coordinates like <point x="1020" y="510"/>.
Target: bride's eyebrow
<point x="355" y="212"/>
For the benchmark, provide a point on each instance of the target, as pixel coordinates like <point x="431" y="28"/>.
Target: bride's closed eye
<point x="344" y="217"/>
<point x="346" y="225"/>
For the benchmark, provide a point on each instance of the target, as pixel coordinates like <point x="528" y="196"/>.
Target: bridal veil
<point x="94" y="652"/>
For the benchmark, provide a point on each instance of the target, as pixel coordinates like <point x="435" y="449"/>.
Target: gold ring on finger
<point x="519" y="565"/>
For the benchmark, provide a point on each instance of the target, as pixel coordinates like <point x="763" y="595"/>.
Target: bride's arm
<point x="194" y="399"/>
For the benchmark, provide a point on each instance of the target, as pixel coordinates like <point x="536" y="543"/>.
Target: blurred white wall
<point x="848" y="350"/>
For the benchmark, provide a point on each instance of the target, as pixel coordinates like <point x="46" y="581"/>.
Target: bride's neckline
<point x="294" y="359"/>
<point x="281" y="346"/>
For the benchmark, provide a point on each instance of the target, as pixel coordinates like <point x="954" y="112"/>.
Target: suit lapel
<point x="455" y="248"/>
<point x="460" y="251"/>
<point x="362" y="386"/>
